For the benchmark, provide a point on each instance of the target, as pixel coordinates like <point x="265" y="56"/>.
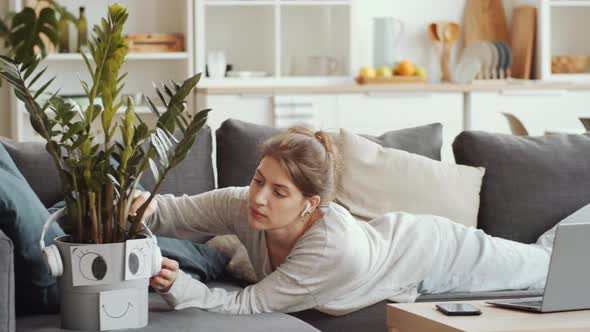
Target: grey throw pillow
<point x="238" y="147"/>
<point x="194" y="175"/>
<point x="531" y="183"/>
<point x="38" y="168"/>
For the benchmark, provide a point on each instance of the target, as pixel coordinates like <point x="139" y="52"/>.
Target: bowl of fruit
<point x="402" y="72"/>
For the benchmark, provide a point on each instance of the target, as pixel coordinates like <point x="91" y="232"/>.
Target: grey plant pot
<point x="81" y="307"/>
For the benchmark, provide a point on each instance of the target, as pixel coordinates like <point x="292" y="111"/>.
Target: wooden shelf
<point x="569" y="3"/>
<point x="583" y="77"/>
<point x="280" y="3"/>
<point x="130" y="56"/>
<point x="240" y="3"/>
<point x="315" y="3"/>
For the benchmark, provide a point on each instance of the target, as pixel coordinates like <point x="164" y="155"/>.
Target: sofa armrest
<point x="7" y="322"/>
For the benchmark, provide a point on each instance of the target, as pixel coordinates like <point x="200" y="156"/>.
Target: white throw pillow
<point x="377" y="180"/>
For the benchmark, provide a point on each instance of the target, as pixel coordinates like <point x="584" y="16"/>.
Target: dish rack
<point x="484" y="61"/>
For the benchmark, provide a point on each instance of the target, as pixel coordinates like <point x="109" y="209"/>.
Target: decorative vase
<point x="63" y="32"/>
<point x="82" y="32"/>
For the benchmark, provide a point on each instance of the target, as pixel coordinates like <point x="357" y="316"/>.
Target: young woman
<point x="309" y="252"/>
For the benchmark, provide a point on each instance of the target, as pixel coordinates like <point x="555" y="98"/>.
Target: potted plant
<point x="104" y="263"/>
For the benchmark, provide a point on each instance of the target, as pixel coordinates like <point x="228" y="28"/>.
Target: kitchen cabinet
<point x="368" y="113"/>
<point x="266" y="41"/>
<point x="540" y="111"/>
<point x="378" y="112"/>
<point x="559" y="25"/>
<point x="317" y="111"/>
<point x="253" y="108"/>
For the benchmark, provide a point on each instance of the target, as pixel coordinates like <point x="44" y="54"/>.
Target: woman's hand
<point x="164" y="280"/>
<point x="139" y="197"/>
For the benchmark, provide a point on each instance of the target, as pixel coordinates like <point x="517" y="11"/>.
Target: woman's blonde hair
<point x="310" y="159"/>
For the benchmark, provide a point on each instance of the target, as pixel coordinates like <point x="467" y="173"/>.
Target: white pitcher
<point x="386" y="34"/>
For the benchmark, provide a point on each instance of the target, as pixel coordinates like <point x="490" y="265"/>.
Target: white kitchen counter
<point x="431" y="87"/>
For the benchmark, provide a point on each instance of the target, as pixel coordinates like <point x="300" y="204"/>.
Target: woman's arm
<point x="307" y="279"/>
<point x="275" y="293"/>
<point x="207" y="214"/>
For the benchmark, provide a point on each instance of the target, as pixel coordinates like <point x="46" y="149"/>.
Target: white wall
<point x="415" y="44"/>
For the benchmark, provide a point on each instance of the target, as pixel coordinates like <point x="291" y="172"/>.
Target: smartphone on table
<point x="458" y="309"/>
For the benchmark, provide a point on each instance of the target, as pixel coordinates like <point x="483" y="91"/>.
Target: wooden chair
<point x="586" y="123"/>
<point x="516" y="126"/>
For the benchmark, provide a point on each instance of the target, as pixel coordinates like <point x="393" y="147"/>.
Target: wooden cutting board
<point x="522" y="40"/>
<point x="484" y="20"/>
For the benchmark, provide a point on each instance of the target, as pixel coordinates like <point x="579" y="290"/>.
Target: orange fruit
<point x="406" y="68"/>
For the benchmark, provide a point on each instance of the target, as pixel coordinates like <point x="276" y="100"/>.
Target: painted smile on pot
<point x="129" y="305"/>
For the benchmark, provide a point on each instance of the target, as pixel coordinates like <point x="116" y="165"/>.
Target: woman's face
<point x="274" y="201"/>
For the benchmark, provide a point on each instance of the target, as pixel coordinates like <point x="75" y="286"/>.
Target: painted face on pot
<point x="274" y="201"/>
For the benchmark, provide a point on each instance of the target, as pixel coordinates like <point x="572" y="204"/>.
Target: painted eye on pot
<point x="92" y="265"/>
<point x="136" y="261"/>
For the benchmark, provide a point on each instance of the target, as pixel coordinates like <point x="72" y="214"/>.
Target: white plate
<point x="484" y="52"/>
<point x="495" y="60"/>
<point x="469" y="65"/>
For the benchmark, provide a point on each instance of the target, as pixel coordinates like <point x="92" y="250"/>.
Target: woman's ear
<point x="315" y="201"/>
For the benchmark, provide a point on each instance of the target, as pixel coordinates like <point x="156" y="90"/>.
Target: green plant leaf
<point x="152" y="106"/>
<point x="88" y="66"/>
<point x="160" y="149"/>
<point x="42" y="89"/>
<point x="30" y="66"/>
<point x="155" y="171"/>
<point x="27" y="29"/>
<point x="31" y="82"/>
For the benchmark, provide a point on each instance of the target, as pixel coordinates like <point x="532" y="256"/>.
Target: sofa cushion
<point x="38" y="168"/>
<point x="6" y="284"/>
<point x="193" y="175"/>
<point x="238" y="147"/>
<point x="369" y="319"/>
<point x="163" y="318"/>
<point x="377" y="180"/>
<point x="531" y="183"/>
<point x="22" y="216"/>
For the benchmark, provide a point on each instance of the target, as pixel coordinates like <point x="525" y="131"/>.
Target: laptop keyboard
<point x="530" y="303"/>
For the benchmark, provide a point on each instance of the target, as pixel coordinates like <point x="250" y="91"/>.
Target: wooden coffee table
<point x="416" y="317"/>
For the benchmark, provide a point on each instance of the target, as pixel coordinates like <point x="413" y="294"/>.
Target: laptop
<point x="567" y="285"/>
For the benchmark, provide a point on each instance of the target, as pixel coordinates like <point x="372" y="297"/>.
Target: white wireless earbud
<point x="307" y="207"/>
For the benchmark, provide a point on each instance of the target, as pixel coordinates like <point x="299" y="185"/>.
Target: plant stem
<point x="99" y="215"/>
<point x="79" y="210"/>
<point x="93" y="221"/>
<point x="108" y="222"/>
<point x="142" y="209"/>
<point x="122" y="218"/>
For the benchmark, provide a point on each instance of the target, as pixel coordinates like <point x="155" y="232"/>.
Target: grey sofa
<point x="235" y="158"/>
